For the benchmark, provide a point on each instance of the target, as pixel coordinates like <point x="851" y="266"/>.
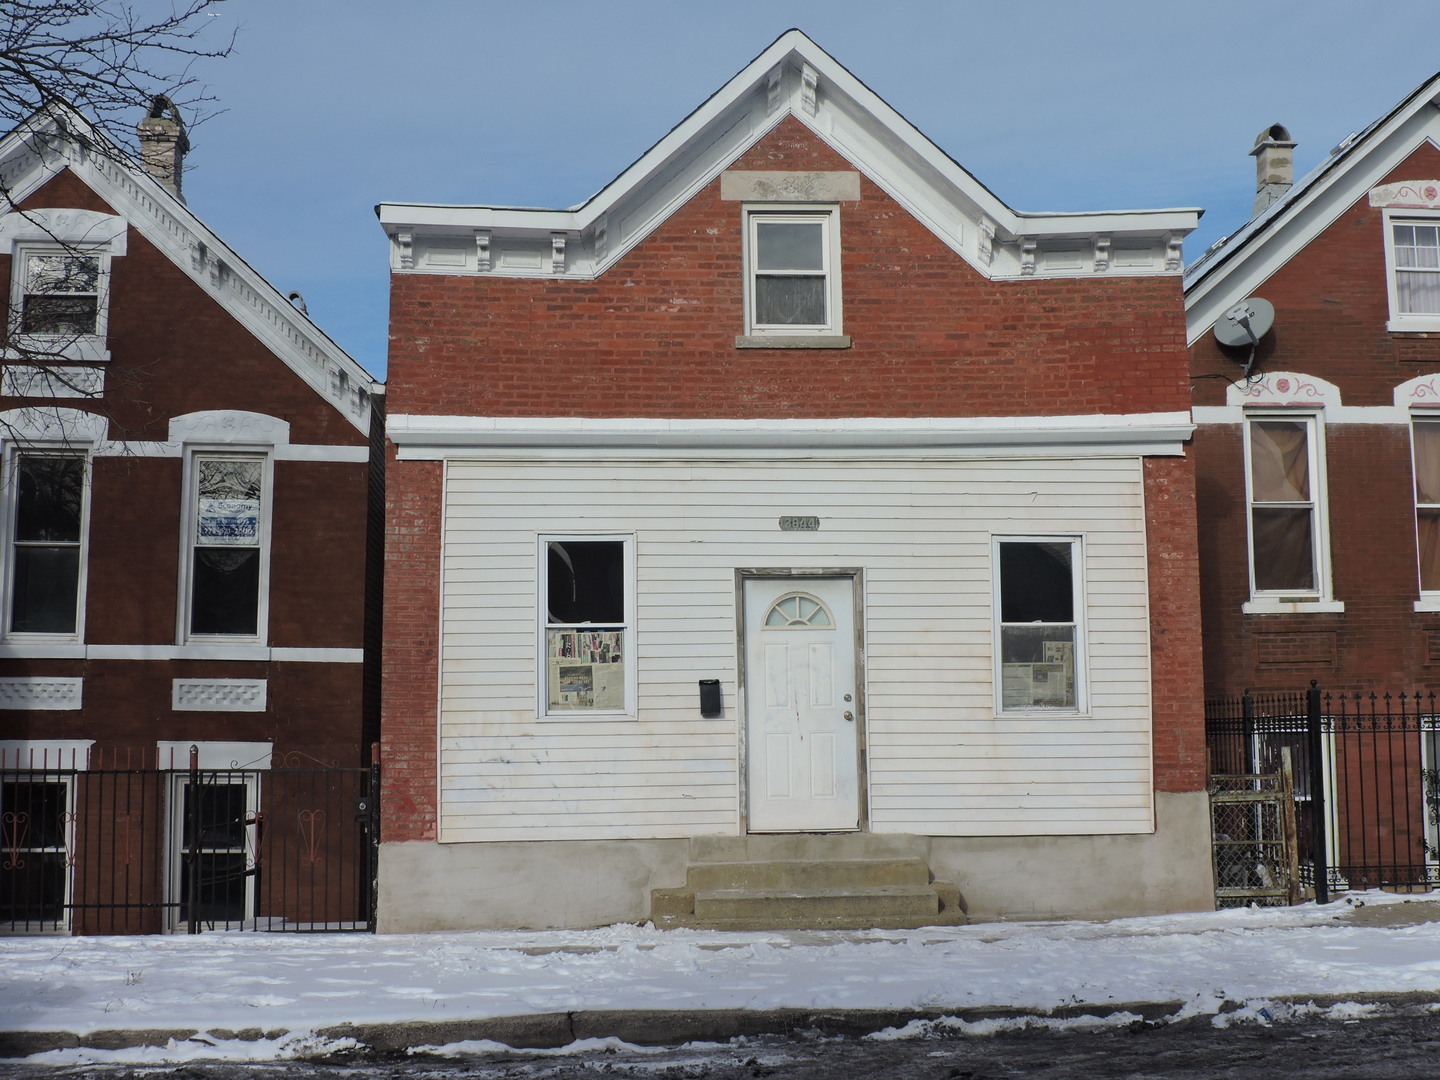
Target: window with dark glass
<point x="790" y="272"/>
<point x="34" y="834"/>
<point x="1038" y="599"/>
<point x="226" y="545"/>
<point x="48" y="504"/>
<point x="586" y="644"/>
<point x="1427" y="501"/>
<point x="61" y="294"/>
<point x="215" y="868"/>
<point x="1284" y="534"/>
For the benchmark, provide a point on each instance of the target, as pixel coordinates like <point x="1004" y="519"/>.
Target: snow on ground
<point x="301" y="983"/>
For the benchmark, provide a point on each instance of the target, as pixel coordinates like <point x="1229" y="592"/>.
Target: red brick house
<point x="792" y="517"/>
<point x="184" y="517"/>
<point x="1317" y="453"/>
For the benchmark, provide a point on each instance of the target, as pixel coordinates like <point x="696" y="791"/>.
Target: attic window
<point x="792" y="278"/>
<point x="1412" y="247"/>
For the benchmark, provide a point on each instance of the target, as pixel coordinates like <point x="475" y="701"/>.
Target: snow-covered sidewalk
<point x="305" y="983"/>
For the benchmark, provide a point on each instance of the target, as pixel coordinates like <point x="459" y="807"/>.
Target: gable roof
<point x="55" y="138"/>
<point x="1238" y="265"/>
<point x="793" y="77"/>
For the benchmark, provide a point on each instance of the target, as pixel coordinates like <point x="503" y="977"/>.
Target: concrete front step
<point x="797" y="874"/>
<point x="870" y="902"/>
<point x="758" y="847"/>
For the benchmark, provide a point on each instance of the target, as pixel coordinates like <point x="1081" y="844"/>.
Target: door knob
<point x="849" y="716"/>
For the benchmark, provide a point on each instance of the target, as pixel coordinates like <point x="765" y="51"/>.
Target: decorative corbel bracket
<point x="1102" y="254"/>
<point x="809" y="89"/>
<point x="985" y="241"/>
<point x="482" y="250"/>
<point x="1174" y="253"/>
<point x="1027" y="257"/>
<point x="405" y="250"/>
<point x="557" y="253"/>
<point x="602" y="238"/>
<point x="772" y="88"/>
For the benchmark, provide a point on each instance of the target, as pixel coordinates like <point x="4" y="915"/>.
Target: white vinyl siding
<point x="939" y="759"/>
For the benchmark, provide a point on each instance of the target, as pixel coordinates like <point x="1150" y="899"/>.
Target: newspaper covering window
<point x="585" y="632"/>
<point x="1037" y="624"/>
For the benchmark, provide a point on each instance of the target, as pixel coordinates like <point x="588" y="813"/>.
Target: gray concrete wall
<point x="1086" y="877"/>
<point x="583" y="883"/>
<point x="530" y="886"/>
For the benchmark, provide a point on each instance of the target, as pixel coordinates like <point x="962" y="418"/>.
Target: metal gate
<point x="1252" y="828"/>
<point x="120" y="850"/>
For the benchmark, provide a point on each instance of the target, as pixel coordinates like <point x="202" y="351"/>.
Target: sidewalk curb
<point x="663" y="1027"/>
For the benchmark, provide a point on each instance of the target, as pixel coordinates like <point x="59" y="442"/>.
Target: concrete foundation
<point x="579" y="883"/>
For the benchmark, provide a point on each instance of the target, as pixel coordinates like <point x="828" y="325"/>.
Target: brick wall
<point x="1173" y="562"/>
<point x="1331" y="307"/>
<point x="175" y="350"/>
<point x="655" y="335"/>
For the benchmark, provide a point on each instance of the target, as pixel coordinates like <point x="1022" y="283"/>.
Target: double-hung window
<point x="1425" y="432"/>
<point x="587" y="606"/>
<point x="1412" y="252"/>
<point x="1038" y="601"/>
<point x="59" y="292"/>
<point x="227" y="546"/>
<point x="47" y="529"/>
<point x="792" y="278"/>
<point x="1287" y="527"/>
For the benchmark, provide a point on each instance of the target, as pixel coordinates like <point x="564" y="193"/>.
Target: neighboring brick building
<point x="1319" y="542"/>
<point x="187" y="467"/>
<point x="791" y="503"/>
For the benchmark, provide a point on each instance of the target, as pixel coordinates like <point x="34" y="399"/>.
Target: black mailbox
<point x="710" y="698"/>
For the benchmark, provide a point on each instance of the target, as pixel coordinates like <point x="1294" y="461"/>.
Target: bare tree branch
<point x="107" y="58"/>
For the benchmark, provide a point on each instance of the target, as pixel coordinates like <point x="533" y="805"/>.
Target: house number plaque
<point x="799" y="524"/>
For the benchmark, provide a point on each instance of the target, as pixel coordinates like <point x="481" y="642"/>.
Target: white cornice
<point x="31" y="154"/>
<point x="1125" y="435"/>
<point x="794" y="77"/>
<point x="1241" y="266"/>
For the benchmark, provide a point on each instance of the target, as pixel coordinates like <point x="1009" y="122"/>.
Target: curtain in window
<point x="1427" y="502"/>
<point x="1417" y="268"/>
<point x="1282" y="533"/>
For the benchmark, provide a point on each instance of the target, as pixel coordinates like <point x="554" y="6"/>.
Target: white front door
<point x="801" y="711"/>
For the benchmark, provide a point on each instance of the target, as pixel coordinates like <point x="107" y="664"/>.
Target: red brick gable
<point x="175" y="349"/>
<point x="655" y="334"/>
<point x="1331" y="309"/>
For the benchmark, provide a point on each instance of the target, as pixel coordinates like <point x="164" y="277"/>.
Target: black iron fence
<point x="142" y="850"/>
<point x="1366" y="791"/>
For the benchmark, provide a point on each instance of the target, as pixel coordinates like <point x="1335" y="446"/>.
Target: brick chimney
<point x="163" y="142"/>
<point x="1274" y="155"/>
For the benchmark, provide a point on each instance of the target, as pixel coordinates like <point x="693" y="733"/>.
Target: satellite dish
<point x="1245" y="323"/>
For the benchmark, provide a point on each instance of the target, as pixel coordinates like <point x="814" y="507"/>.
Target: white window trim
<point x="1401" y="322"/>
<point x="1428" y="601"/>
<point x="62" y="229"/>
<point x="830" y="215"/>
<point x="1078" y="577"/>
<point x="542" y="560"/>
<point x="81" y="431"/>
<point x="87" y="348"/>
<point x="1292" y="601"/>
<point x="189" y="511"/>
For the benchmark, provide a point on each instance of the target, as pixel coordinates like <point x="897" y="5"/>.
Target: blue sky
<point x="332" y="106"/>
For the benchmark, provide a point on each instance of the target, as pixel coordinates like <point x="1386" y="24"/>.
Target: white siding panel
<point x="939" y="759"/>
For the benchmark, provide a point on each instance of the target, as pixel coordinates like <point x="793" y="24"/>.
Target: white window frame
<point x="189" y="520"/>
<point x="13" y="451"/>
<point x="12" y="850"/>
<point x="61" y="230"/>
<point x="1400" y="321"/>
<point x="1429" y="600"/>
<point x="829" y="217"/>
<point x="1280" y="601"/>
<point x="175" y="846"/>
<point x="543" y="625"/>
<point x="1081" y="652"/>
